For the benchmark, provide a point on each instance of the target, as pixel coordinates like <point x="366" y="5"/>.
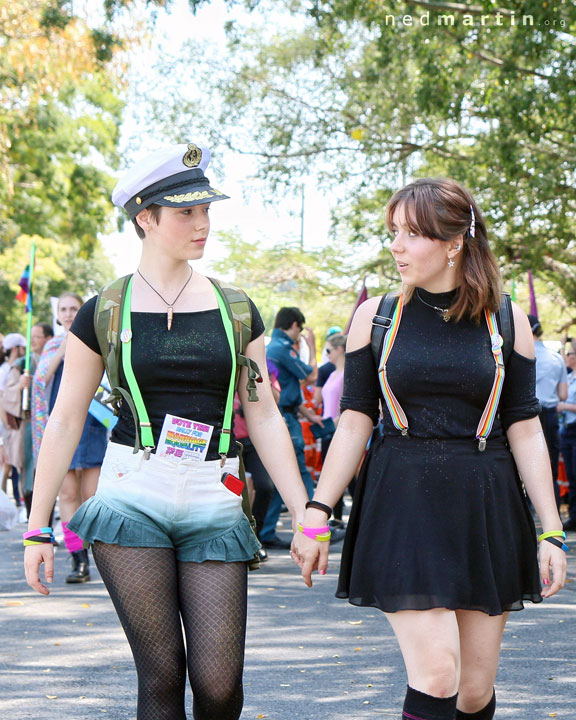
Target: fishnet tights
<point x="154" y="595"/>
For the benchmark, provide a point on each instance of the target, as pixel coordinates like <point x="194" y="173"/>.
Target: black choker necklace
<point x="443" y="311"/>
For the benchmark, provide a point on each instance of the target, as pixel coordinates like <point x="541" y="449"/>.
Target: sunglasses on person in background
<point x="571" y="353"/>
<point x="328" y="351"/>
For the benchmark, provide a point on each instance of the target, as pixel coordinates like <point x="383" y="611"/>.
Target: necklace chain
<point x="170" y="312"/>
<point x="443" y="311"/>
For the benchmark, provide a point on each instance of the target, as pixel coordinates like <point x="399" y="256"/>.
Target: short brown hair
<point x="440" y="209"/>
<point x="155" y="211"/>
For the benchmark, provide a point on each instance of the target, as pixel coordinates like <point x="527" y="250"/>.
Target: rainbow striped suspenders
<point x="396" y="413"/>
<point x="489" y="414"/>
<point x="390" y="327"/>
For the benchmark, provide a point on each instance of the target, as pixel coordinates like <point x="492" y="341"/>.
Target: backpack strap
<point x="240" y="313"/>
<point x="107" y="324"/>
<point x="381" y="323"/>
<point x="107" y="320"/>
<point x="507" y="326"/>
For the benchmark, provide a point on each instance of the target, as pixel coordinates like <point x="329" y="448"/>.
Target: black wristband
<point x="42" y="538"/>
<point x="319" y="506"/>
<point x="558" y="543"/>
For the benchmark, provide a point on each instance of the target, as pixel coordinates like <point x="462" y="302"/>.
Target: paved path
<point x="309" y="656"/>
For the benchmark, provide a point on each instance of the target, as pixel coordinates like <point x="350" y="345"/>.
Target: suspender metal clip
<point x="382" y="321"/>
<point x="482" y="444"/>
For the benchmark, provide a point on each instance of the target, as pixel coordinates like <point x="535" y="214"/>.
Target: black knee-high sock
<point x="487" y="713"/>
<point x="419" y="706"/>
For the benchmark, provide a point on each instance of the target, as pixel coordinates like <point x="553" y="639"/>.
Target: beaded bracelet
<point x="319" y="506"/>
<point x="320" y="534"/>
<point x="558" y="543"/>
<point x="552" y="533"/>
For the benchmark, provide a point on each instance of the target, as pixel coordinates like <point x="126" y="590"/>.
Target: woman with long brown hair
<point x="440" y="537"/>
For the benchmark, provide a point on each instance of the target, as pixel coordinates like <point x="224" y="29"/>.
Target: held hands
<point x="310" y="554"/>
<point x="34" y="556"/>
<point x="552" y="568"/>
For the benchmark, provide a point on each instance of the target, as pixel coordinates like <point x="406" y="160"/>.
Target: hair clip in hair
<point x="472" y="230"/>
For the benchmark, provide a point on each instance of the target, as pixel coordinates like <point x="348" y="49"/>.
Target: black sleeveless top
<point x="184" y="371"/>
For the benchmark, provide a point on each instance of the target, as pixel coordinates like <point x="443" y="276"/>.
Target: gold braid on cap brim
<point x="192" y="196"/>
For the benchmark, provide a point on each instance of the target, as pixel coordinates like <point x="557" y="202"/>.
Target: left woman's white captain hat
<point x="172" y="176"/>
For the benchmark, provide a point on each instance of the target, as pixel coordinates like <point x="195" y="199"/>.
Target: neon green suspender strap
<point x="224" y="443"/>
<point x="143" y="425"/>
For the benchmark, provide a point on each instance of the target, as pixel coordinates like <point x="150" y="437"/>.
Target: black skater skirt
<point x="438" y="524"/>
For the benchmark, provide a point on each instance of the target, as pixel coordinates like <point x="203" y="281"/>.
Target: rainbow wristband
<point x="322" y="534"/>
<point x="552" y="533"/>
<point x="39" y="531"/>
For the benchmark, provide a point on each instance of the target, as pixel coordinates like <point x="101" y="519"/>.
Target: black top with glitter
<point x="442" y="375"/>
<point x="183" y="372"/>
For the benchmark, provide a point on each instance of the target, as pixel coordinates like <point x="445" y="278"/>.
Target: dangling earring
<point x="451" y="262"/>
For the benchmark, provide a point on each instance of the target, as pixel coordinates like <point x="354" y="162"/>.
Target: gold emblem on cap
<point x="193" y="156"/>
<point x="138" y="201"/>
<point x="190" y="196"/>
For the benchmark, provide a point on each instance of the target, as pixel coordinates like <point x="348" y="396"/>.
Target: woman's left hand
<point x="309" y="555"/>
<point x="552" y="568"/>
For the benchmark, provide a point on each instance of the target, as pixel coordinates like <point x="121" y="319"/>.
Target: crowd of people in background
<point x="23" y="428"/>
<point x="309" y="403"/>
<point x="307" y="393"/>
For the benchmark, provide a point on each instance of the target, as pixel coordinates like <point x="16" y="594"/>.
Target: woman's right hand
<point x="34" y="556"/>
<point x="309" y="555"/>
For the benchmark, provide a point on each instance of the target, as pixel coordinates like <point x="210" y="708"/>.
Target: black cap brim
<point x="184" y="189"/>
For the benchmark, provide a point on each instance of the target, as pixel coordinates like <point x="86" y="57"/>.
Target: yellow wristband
<point x="552" y="533"/>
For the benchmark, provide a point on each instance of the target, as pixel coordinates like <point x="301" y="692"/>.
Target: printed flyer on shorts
<point x="183" y="439"/>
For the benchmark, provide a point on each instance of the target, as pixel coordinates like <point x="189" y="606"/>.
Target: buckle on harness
<point x="382" y="321"/>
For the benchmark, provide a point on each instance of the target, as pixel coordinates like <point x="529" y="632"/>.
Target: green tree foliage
<point x="373" y="92"/>
<point x="286" y="275"/>
<point x="61" y="103"/>
<point x="59" y="267"/>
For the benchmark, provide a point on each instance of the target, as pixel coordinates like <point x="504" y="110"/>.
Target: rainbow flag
<point x="25" y="294"/>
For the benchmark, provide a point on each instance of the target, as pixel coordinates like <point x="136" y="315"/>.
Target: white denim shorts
<point x="161" y="502"/>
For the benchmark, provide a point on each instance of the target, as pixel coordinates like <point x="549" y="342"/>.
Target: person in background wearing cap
<point x="551" y="388"/>
<point x="14" y="347"/>
<point x="169" y="537"/>
<point x="440" y="537"/>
